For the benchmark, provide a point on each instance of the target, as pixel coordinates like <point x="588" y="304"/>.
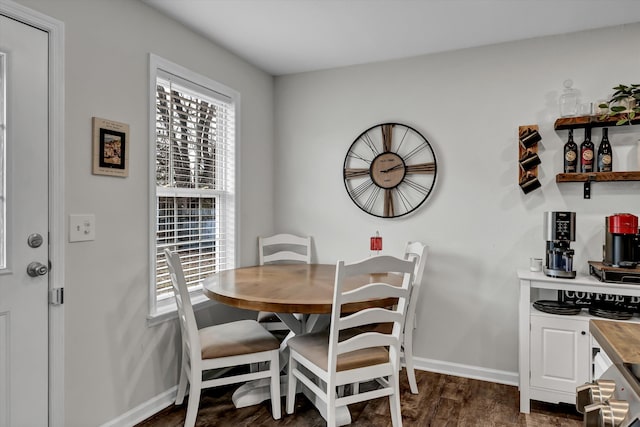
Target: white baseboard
<point x="144" y="410"/>
<point x="467" y="371"/>
<point x="163" y="400"/>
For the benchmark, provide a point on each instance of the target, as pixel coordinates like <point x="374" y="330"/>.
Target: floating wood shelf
<point x="589" y="122"/>
<point x="598" y="176"/>
<point x="590" y="177"/>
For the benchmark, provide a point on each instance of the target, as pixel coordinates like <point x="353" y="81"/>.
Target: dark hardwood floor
<point x="444" y="401"/>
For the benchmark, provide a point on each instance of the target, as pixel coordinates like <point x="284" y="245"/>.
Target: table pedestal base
<point x="255" y="392"/>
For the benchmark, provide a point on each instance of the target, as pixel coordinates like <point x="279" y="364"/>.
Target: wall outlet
<point x="82" y="228"/>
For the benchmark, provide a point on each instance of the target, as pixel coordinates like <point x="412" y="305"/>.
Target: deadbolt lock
<point x="34" y="240"/>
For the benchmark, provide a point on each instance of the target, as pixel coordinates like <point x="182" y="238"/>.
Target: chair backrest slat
<point x="367" y="339"/>
<point x="368" y="317"/>
<point x="284" y="247"/>
<point x="372" y="290"/>
<point x="285" y="256"/>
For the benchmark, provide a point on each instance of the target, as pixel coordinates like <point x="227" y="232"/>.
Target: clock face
<point x="389" y="170"/>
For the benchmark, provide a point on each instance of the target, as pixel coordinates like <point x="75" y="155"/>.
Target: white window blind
<point x="194" y="179"/>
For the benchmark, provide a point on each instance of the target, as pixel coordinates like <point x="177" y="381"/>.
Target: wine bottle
<point x="605" y="158"/>
<point x="586" y="152"/>
<point x="570" y="155"/>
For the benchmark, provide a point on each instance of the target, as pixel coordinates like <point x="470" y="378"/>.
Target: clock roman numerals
<point x="371" y="200"/>
<point x="361" y="190"/>
<point x="355" y="173"/>
<point x="377" y="174"/>
<point x="416" y="150"/>
<point x="388" y="203"/>
<point x="404" y="136"/>
<point x="387" y="137"/>
<point x="417" y="168"/>
<point x="422" y="168"/>
<point x="366" y="138"/>
<point x="418" y="187"/>
<point x="357" y="156"/>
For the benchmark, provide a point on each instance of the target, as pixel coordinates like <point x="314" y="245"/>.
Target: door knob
<point x="36" y="269"/>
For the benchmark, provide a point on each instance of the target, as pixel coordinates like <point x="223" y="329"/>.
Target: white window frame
<point x="164" y="308"/>
<point x="3" y="156"/>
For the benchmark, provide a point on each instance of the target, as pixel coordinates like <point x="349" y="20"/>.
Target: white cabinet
<point x="555" y="352"/>
<point x="560" y="352"/>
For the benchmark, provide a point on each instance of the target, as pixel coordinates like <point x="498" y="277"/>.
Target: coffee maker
<point x="559" y="231"/>
<point x="621" y="241"/>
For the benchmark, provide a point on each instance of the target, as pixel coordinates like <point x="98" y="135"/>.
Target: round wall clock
<point x="389" y="170"/>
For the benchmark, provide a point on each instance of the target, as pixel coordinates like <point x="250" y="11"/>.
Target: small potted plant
<point x="624" y="104"/>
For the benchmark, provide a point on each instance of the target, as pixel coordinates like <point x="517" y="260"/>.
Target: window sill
<point x="167" y="310"/>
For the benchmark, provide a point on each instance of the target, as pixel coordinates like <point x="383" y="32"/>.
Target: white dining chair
<point x="281" y="248"/>
<point x="413" y="251"/>
<point x="417" y="251"/>
<point x="347" y="353"/>
<point x="239" y="343"/>
<point x="284" y="248"/>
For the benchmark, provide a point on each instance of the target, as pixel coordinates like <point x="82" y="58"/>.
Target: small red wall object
<point x="376" y="243"/>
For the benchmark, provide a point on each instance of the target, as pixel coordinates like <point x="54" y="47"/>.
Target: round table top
<point x="288" y="288"/>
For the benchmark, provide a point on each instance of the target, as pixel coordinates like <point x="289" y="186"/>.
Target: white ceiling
<point x="292" y="36"/>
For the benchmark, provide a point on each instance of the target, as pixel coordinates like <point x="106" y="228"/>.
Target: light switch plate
<point x="82" y="228"/>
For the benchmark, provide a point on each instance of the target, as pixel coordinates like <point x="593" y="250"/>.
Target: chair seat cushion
<point x="235" y="338"/>
<point x="315" y="347"/>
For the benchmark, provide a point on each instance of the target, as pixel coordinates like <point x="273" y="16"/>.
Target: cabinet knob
<point x="583" y="333"/>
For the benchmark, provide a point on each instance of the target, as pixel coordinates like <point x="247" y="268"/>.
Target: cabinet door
<point x="560" y="352"/>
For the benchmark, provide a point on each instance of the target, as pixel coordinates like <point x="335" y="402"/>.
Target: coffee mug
<point x="535" y="264"/>
<point x="529" y="182"/>
<point x="529" y="137"/>
<point x="529" y="160"/>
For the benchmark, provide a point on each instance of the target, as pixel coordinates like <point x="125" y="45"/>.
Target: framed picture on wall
<point x="110" y="147"/>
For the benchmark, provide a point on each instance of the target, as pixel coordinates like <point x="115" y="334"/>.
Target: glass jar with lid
<point x="569" y="100"/>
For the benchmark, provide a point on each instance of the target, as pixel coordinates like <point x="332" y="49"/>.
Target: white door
<point x="560" y="353"/>
<point x="23" y="217"/>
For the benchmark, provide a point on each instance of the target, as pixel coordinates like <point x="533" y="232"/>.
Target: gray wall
<point x="114" y="362"/>
<point x="479" y="225"/>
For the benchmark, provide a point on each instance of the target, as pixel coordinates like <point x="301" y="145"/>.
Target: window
<point x="193" y="169"/>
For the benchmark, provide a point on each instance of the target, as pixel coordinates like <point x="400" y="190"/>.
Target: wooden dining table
<point x="288" y="289"/>
<point x="301" y="295"/>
